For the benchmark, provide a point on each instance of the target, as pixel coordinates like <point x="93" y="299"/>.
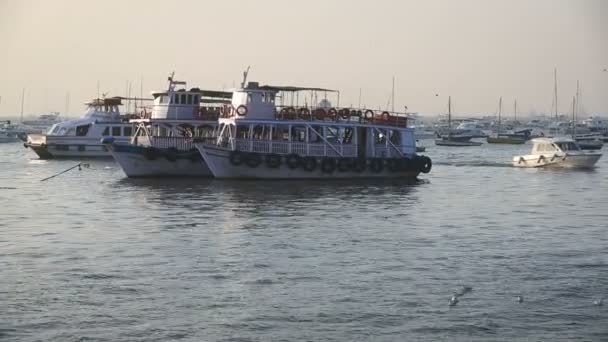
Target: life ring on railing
<point x="241" y="110"/>
<point x="376" y="165"/>
<point x="332" y="113"/>
<point x="385" y="116"/>
<point x="236" y="158"/>
<point x="292" y="161"/>
<point x="344" y="164"/>
<point x="273" y="160"/>
<point x="369" y="114"/>
<point x="304" y="113"/>
<point x="283" y="113"/>
<point x="253" y="159"/>
<point x="320" y="114"/>
<point x="344" y="114"/>
<point x="309" y="163"/>
<point x="328" y="165"/>
<point x="426" y="164"/>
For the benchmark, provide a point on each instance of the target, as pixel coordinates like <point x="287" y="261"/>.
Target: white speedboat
<point x="163" y="143"/>
<point x="557" y="152"/>
<point x="81" y="137"/>
<point x="260" y="138"/>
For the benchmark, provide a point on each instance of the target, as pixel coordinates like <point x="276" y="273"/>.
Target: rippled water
<point x="92" y="255"/>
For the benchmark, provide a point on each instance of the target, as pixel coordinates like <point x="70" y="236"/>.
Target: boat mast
<point x="573" y="118"/>
<point x="515" y="110"/>
<point x="499" y="114"/>
<point x="393" y="96"/>
<point x="22" y="99"/>
<point x="555" y="90"/>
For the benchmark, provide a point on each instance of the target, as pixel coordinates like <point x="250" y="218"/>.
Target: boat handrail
<point x="289" y="147"/>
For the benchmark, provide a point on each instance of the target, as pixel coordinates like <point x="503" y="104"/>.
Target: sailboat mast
<point x="450" y="114"/>
<point x="393" y="96"/>
<point x="573" y="117"/>
<point x="22" y="99"/>
<point x="555" y="90"/>
<point x="499" y="114"/>
<point x="515" y="110"/>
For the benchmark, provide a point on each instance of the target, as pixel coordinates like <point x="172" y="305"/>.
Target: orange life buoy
<point x="369" y="114"/>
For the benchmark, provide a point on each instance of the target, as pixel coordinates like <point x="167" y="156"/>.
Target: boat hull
<point x="51" y="147"/>
<point x="456" y="143"/>
<point x="137" y="162"/>
<point x="506" y="140"/>
<point x="583" y="160"/>
<point x="218" y="161"/>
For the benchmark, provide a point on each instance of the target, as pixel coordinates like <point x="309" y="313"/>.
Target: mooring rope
<point x="79" y="166"/>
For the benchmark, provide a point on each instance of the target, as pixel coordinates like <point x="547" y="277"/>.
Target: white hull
<point x="218" y="160"/>
<point x="558" y="160"/>
<point x="135" y="164"/>
<point x="48" y="147"/>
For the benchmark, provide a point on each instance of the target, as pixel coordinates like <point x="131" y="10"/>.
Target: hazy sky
<point x="473" y="50"/>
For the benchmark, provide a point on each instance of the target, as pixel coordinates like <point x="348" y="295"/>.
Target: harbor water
<point x="91" y="255"/>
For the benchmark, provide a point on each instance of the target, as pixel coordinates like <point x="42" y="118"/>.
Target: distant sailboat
<point x="451" y="139"/>
<point x="503" y="139"/>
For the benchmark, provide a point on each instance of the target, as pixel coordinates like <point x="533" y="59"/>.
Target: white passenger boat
<point x="81" y="137"/>
<point x="7" y="135"/>
<point x="163" y="144"/>
<point x="264" y="134"/>
<point x="557" y="152"/>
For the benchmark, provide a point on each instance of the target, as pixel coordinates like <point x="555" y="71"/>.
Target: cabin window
<point x="270" y="97"/>
<point x="128" y="131"/>
<point x="189" y="99"/>
<point x="261" y="132"/>
<point x="176" y="98"/>
<point x="161" y="99"/>
<point x="183" y="99"/>
<point x="71" y="131"/>
<point x="248" y="98"/>
<point x="395" y="137"/>
<point x="82" y="131"/>
<point x="195" y="99"/>
<point x="280" y="133"/>
<point x="298" y="133"/>
<point x="379" y="137"/>
<point x="106" y="131"/>
<point x="115" y="131"/>
<point x="242" y="132"/>
<point x="313" y="135"/>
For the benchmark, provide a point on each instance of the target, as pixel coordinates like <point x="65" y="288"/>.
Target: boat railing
<point x="180" y="143"/>
<point x="300" y="148"/>
<point x="337" y="114"/>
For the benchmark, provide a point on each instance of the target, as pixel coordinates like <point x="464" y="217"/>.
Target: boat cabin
<point x="182" y="104"/>
<point x="101" y="118"/>
<point x="547" y="145"/>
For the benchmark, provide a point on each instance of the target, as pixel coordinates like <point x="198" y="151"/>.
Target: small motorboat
<point x="557" y="152"/>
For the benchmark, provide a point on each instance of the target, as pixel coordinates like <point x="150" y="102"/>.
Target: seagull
<point x="454" y="300"/>
<point x="520" y="299"/>
<point x="599" y="302"/>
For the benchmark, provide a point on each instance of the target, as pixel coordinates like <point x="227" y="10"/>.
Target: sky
<point x="472" y="50"/>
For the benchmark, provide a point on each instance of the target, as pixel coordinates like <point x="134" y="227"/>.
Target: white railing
<point x="300" y="148"/>
<point x="180" y="143"/>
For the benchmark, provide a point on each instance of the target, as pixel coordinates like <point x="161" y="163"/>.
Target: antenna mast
<point x="245" y="73"/>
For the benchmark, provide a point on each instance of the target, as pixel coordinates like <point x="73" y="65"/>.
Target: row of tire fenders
<point x="329" y="165"/>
